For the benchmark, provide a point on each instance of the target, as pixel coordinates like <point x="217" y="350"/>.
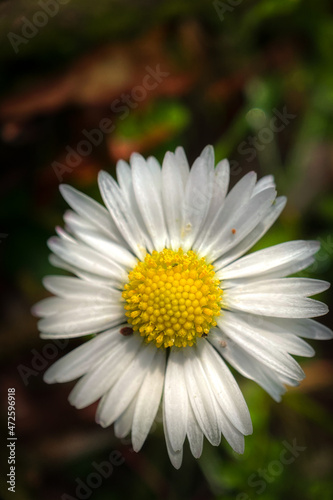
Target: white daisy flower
<point x="162" y="283"/>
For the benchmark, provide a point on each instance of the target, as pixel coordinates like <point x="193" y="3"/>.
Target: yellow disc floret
<point x="172" y="298"/>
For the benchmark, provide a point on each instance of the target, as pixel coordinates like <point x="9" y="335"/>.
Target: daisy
<point x="161" y="281"/>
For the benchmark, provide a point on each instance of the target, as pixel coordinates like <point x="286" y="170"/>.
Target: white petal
<point x="292" y="344"/>
<point x="149" y="201"/>
<point x="264" y="183"/>
<point x="176" y="456"/>
<point x="123" y="424"/>
<point x="234" y="437"/>
<point x="49" y="306"/>
<point x="87" y="259"/>
<point x="248" y="338"/>
<point x="121" y="394"/>
<point x="208" y="156"/>
<point x="103" y="375"/>
<point x="194" y="434"/>
<point x="78" y="322"/>
<point x="304" y="287"/>
<point x="307" y="328"/>
<point x="89" y="209"/>
<point x="241" y="224"/>
<point x="274" y="304"/>
<point x="155" y="170"/>
<point x="121" y="214"/>
<point x="287" y="269"/>
<point x="220" y="188"/>
<point x="198" y="193"/>
<point x="281" y="272"/>
<point x="281" y="333"/>
<point x="269" y="259"/>
<point x="56" y="305"/>
<point x="148" y="400"/>
<point x="64" y="235"/>
<point x="173" y="195"/>
<point x="175" y="401"/>
<point x="61" y="264"/>
<point x="77" y="362"/>
<point x="225" y="387"/>
<point x="75" y="288"/>
<point x="200" y="396"/>
<point x="89" y="277"/>
<point x="74" y="221"/>
<point x="182" y="164"/>
<point x="249" y="241"/>
<point x="247" y="365"/>
<point x="105" y="246"/>
<point x="124" y="175"/>
<point x="235" y="200"/>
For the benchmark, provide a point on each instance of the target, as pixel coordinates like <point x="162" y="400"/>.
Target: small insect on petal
<point x="126" y="331"/>
<point x="233" y="231"/>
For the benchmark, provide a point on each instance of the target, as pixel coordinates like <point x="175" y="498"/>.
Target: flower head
<point x="172" y="298"/>
<point x="161" y="280"/>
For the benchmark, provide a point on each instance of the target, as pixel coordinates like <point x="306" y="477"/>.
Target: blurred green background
<point x="223" y="70"/>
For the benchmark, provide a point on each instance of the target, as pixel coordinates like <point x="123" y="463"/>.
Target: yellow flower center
<point x="172" y="298"/>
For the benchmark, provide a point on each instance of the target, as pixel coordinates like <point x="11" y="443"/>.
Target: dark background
<point x="232" y="66"/>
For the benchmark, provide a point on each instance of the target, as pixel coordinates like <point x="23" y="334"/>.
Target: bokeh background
<point x="223" y="71"/>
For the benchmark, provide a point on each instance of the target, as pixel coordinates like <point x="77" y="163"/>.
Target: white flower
<point x="162" y="283"/>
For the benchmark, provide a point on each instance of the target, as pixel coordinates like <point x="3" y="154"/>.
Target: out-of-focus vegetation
<point x="228" y="71"/>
